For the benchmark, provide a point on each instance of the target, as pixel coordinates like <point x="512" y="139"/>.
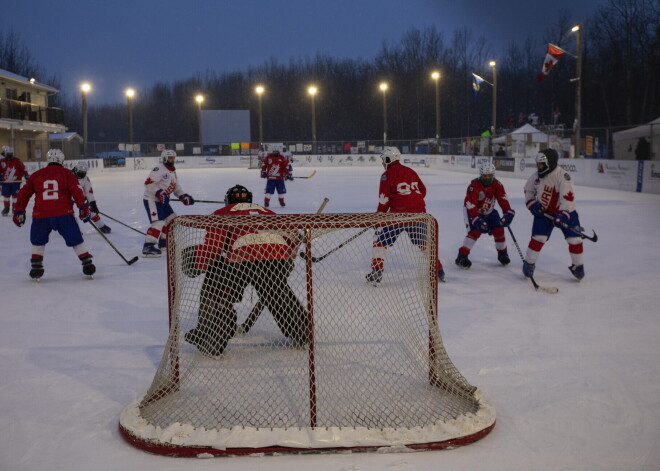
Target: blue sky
<point x="136" y="43"/>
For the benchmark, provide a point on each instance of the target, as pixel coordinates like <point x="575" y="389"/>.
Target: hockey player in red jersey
<point x="549" y="191"/>
<point x="232" y="259"/>
<point x="401" y="191"/>
<point x="54" y="188"/>
<point x="275" y="170"/>
<point x="481" y="217"/>
<point x="80" y="171"/>
<point x="12" y="171"/>
<point x="159" y="185"/>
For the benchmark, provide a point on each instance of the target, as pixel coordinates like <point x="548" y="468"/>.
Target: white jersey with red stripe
<point x="554" y="191"/>
<point x="162" y="178"/>
<point x="86" y="186"/>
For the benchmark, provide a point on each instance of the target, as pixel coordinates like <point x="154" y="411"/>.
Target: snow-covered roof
<point x="537" y="136"/>
<point x="20" y="79"/>
<point x="66" y="136"/>
<point x="640" y="131"/>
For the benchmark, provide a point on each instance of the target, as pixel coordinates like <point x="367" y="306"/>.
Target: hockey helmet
<point x="389" y="155"/>
<point x="238" y="194"/>
<point x="8" y="152"/>
<point x="80" y="170"/>
<point x="486" y="173"/>
<point x="165" y="157"/>
<point x="55" y="156"/>
<point x="546" y="161"/>
<point x="276" y="152"/>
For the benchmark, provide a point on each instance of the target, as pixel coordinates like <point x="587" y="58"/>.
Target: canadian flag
<point x="551" y="58"/>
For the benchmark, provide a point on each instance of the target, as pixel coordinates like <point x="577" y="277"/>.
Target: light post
<point x="578" y="87"/>
<point x="436" y="77"/>
<point x="199" y="99"/>
<point x="312" y="92"/>
<point x="493" y="64"/>
<point x="260" y="90"/>
<point x="85" y="88"/>
<point x="383" y="88"/>
<point x="130" y="93"/>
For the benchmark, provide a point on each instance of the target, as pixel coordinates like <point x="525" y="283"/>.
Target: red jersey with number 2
<point x="54" y="188"/>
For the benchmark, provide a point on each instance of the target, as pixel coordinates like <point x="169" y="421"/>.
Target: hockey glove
<point x="480" y="224"/>
<point x="535" y="208"/>
<point x="19" y="218"/>
<point x="186" y="199"/>
<point x="561" y="218"/>
<point x="507" y="218"/>
<point x="94" y="207"/>
<point x="162" y="197"/>
<point x="263" y="174"/>
<point x="84" y="212"/>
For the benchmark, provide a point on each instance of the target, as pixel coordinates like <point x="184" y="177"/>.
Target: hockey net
<point x="344" y="365"/>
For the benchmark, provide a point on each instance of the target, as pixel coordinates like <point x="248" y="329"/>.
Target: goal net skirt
<point x="304" y="355"/>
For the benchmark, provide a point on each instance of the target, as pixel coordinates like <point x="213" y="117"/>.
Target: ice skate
<point x="577" y="271"/>
<point x="87" y="266"/>
<point x="463" y="261"/>
<point x="37" y="269"/>
<point x="374" y="277"/>
<point x="528" y="269"/>
<point x="503" y="257"/>
<point x="105" y="229"/>
<point x="5" y="212"/>
<point x="149" y="250"/>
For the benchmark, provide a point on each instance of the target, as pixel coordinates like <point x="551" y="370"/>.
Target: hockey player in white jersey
<point x="161" y="183"/>
<point x="80" y="171"/>
<point x="549" y="191"/>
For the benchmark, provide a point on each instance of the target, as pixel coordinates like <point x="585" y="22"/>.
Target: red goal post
<point x="331" y="363"/>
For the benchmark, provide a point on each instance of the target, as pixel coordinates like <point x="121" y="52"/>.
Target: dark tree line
<point x="620" y="85"/>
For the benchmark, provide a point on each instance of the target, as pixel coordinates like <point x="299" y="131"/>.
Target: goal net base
<point x="329" y="362"/>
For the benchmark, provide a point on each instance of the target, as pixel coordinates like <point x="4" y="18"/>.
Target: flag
<point x="551" y="58"/>
<point x="476" y="85"/>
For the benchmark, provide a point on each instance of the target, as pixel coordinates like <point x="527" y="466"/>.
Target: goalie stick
<point x="578" y="230"/>
<point x="545" y="289"/>
<point x="245" y="327"/>
<point x="129" y="262"/>
<point x="308" y="176"/>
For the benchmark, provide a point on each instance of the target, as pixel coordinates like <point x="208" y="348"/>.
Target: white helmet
<point x="486" y="168"/>
<point x="80" y="169"/>
<point x="55" y="156"/>
<point x="166" y="154"/>
<point x="389" y="155"/>
<point x="6" y="150"/>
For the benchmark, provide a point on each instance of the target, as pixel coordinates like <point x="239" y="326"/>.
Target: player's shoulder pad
<point x="383" y="177"/>
<point x="470" y="188"/>
<point x="567" y="176"/>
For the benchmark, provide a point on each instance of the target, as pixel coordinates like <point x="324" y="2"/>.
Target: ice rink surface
<point x="574" y="376"/>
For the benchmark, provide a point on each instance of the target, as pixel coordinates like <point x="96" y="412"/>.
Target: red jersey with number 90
<point x="55" y="187"/>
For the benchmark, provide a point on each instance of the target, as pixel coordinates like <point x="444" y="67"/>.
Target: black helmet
<point x="238" y="194"/>
<point x="548" y="157"/>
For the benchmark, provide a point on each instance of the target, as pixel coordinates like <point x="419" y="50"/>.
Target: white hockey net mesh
<point x="331" y="361"/>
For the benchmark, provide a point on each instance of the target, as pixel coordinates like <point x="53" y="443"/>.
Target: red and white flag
<point x="551" y="58"/>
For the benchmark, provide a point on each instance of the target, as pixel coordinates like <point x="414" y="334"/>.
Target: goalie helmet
<point x="486" y="173"/>
<point x="55" y="156"/>
<point x="165" y="157"/>
<point x="80" y="170"/>
<point x="546" y="161"/>
<point x="238" y="194"/>
<point x="389" y="155"/>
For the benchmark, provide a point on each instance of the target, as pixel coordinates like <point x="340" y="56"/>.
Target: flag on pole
<point x="476" y="85"/>
<point x="552" y="56"/>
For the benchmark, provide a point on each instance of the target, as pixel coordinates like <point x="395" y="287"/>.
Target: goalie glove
<point x="162" y="197"/>
<point x="84" y="212"/>
<point x="19" y="218"/>
<point x="186" y="199"/>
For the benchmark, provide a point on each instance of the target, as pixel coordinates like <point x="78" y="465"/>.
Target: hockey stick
<point x="578" y="230"/>
<point x="129" y="262"/>
<point x="123" y="224"/>
<point x="245" y="327"/>
<point x="350" y="239"/>
<point x="201" y="201"/>
<point x="308" y="176"/>
<point x="546" y="289"/>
